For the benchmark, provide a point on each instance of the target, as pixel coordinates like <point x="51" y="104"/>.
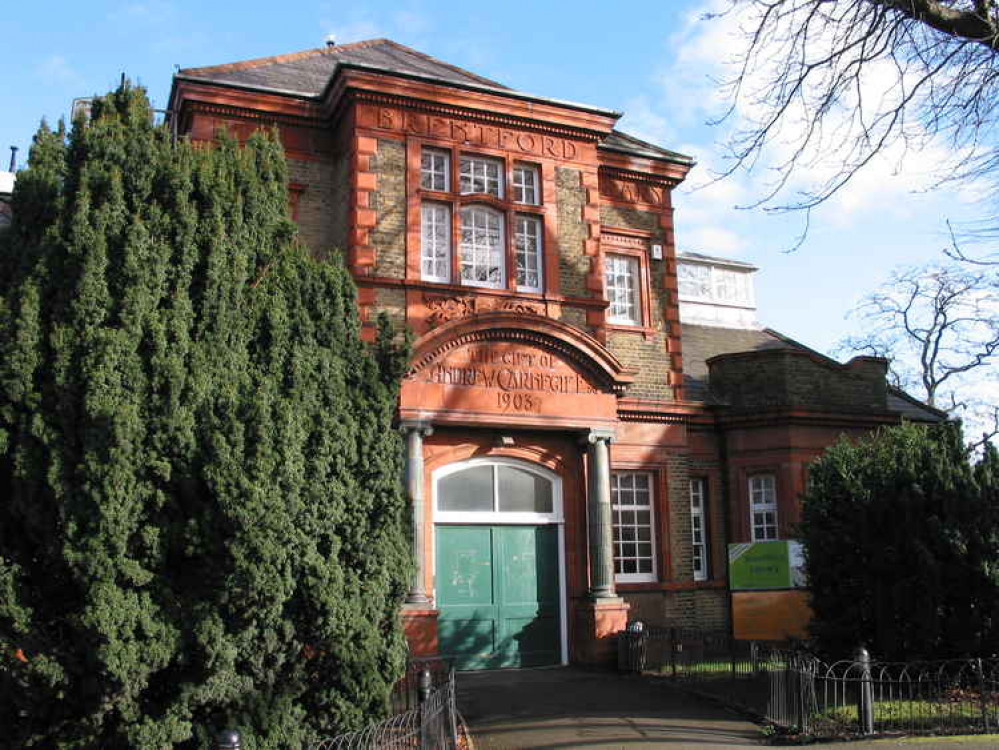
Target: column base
<point x="419" y="625"/>
<point x="598" y="621"/>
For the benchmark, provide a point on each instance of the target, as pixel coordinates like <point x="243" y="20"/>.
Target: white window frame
<point x="525" y="260"/>
<point x="699" y="528"/>
<point x="438" y="172"/>
<point x="473" y="255"/>
<point x="763" y="507"/>
<point x="700" y="282"/>
<point x="497" y="516"/>
<point x="490" y="171"/>
<point x="525" y="184"/>
<point x="430" y="252"/>
<point x="619" y="542"/>
<point x="556" y="517"/>
<point x="622" y="280"/>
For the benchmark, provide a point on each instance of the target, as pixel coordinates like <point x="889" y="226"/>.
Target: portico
<point x="509" y="424"/>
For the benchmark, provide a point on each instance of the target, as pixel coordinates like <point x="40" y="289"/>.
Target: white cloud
<point x="57" y="71"/>
<point x="711" y="240"/>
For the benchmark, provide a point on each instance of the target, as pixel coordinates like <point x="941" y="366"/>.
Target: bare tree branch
<point x="823" y="87"/>
<point x="935" y="324"/>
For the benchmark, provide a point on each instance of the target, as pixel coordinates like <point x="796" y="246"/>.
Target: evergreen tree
<point x="201" y="521"/>
<point x="901" y="538"/>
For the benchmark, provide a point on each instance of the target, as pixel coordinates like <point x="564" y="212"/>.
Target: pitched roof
<point x="701" y="343"/>
<point x="629" y="144"/>
<point x="307" y="73"/>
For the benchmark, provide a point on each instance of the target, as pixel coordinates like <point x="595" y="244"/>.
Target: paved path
<point x="574" y="708"/>
<point x="567" y="707"/>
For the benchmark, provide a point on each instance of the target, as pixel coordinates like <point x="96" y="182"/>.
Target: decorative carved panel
<point x="441" y="309"/>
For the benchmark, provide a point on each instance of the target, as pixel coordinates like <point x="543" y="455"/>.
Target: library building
<point x="597" y="428"/>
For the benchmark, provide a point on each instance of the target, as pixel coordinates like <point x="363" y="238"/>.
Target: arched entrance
<point x="499" y="572"/>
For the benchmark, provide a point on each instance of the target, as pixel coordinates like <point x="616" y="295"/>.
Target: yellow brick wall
<point x="389" y="202"/>
<point x="573" y="263"/>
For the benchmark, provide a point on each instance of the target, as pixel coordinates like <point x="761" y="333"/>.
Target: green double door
<point x="498" y="595"/>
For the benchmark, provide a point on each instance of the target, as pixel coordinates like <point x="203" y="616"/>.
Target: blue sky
<point x="653" y="60"/>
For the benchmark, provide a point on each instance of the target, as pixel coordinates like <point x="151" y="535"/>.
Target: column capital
<point x="598" y="434"/>
<point x="425" y="429"/>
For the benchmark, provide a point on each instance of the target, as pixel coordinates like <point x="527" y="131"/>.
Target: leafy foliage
<point x="901" y="536"/>
<point x="202" y="522"/>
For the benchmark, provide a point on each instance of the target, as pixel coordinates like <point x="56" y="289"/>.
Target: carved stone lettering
<point x="468" y="132"/>
<point x="507" y="367"/>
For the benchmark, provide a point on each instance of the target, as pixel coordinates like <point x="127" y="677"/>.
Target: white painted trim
<point x="497" y="518"/>
<point x="653" y="535"/>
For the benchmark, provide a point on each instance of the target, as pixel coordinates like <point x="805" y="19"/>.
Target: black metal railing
<point x="797" y="692"/>
<point x="431" y="725"/>
<point x="713" y="662"/>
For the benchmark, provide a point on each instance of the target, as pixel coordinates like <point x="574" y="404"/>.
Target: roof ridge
<point x="438" y="61"/>
<point x="286" y="57"/>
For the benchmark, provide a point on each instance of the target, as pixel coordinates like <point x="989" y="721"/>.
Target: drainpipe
<point x="727" y="498"/>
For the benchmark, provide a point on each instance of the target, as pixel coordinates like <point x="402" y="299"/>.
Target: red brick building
<point x="589" y="419"/>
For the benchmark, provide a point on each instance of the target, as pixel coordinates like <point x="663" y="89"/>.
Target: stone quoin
<point x="591" y="416"/>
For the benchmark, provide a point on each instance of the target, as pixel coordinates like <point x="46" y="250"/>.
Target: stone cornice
<point x="492" y="118"/>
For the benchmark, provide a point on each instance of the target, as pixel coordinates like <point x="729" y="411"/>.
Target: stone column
<point x="415" y="432"/>
<point x="600" y="521"/>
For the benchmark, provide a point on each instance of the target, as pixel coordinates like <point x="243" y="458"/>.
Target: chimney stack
<point x="13" y="158"/>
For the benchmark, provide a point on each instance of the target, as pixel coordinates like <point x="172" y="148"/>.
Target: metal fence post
<point x="982" y="697"/>
<point x="865" y="698"/>
<point x="453" y="708"/>
<point x="672" y="651"/>
<point x="228" y="739"/>
<point x="423" y="695"/>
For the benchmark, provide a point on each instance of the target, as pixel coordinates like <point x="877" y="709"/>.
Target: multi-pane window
<point x="631" y="504"/>
<point x="480" y="175"/>
<point x="527" y="246"/>
<point x="482" y="247"/>
<point x="696" y="281"/>
<point x="498" y="243"/>
<point x="525" y="184"/>
<point x="621" y="280"/>
<point x="763" y="507"/>
<point x="435" y="247"/>
<point x="698" y="528"/>
<point x="435" y="170"/>
<point x="693" y="280"/>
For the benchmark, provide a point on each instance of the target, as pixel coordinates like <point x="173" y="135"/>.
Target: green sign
<point x="765" y="565"/>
